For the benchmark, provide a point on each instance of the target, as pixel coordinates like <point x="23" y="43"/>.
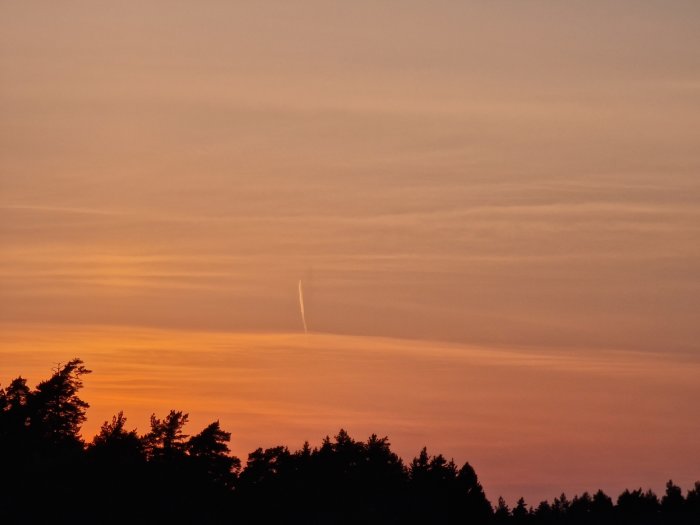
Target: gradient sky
<point x="520" y="176"/>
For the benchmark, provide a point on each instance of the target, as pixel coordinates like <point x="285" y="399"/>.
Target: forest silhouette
<point x="49" y="474"/>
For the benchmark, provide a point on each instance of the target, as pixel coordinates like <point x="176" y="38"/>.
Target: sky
<point x="515" y="177"/>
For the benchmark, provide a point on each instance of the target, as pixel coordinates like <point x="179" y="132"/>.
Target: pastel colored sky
<point x="533" y="422"/>
<point x="495" y="175"/>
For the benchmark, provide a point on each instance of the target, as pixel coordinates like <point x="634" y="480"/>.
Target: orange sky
<point x="494" y="175"/>
<point x="533" y="422"/>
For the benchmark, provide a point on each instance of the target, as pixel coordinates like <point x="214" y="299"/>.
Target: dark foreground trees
<point x="48" y="474"/>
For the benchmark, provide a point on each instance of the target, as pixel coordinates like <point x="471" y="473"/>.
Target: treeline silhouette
<point x="48" y="474"/>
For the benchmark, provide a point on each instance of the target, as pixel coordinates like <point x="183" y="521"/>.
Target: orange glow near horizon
<point x="531" y="421"/>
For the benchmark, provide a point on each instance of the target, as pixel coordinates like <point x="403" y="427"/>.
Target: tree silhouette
<point x="560" y="507"/>
<point x="442" y="493"/>
<point x="471" y="494"/>
<point x="520" y="512"/>
<point x="45" y="421"/>
<point x="14" y="417"/>
<point x="692" y="501"/>
<point x="114" y="444"/>
<point x="49" y="475"/>
<point x="16" y="395"/>
<point x="502" y="512"/>
<point x="56" y="410"/>
<point x="40" y="443"/>
<point x="210" y="453"/>
<point x="672" y="503"/>
<point x="637" y="507"/>
<point x="543" y="513"/>
<point x="602" y="509"/>
<point x="166" y="439"/>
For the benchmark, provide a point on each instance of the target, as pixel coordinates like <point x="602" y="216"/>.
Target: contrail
<point x="301" y="306"/>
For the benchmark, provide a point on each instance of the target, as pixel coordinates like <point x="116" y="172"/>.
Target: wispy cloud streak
<point x="301" y="306"/>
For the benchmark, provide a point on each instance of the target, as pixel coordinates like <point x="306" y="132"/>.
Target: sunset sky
<point x="494" y="208"/>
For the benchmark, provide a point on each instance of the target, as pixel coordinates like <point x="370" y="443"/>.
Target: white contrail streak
<point x="301" y="306"/>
